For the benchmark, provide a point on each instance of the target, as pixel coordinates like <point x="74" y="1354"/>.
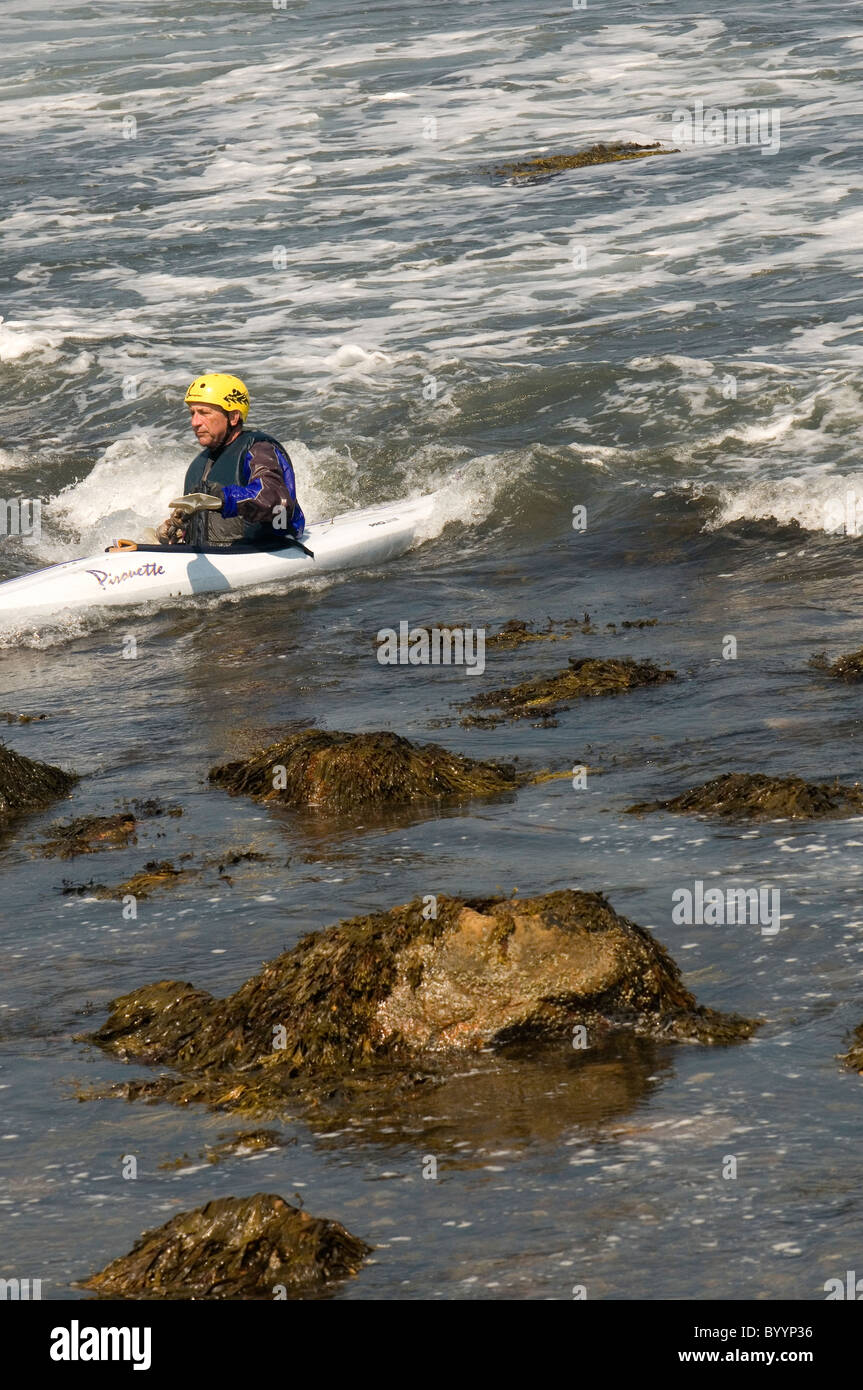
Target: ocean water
<point x="306" y="196"/>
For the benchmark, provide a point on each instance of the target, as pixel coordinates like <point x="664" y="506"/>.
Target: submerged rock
<point x="584" y="678"/>
<point x="517" y="632"/>
<point x="853" y="1058"/>
<point x="543" y="167"/>
<point x="845" y="668"/>
<point x="234" y="1145"/>
<point x="397" y="988"/>
<point x="27" y="785"/>
<point x="334" y="773"/>
<point x="755" y="796"/>
<point x="234" y="1247"/>
<point x="89" y="834"/>
<point x="162" y="874"/>
<point x="246" y="1142"/>
<point x="155" y="874"/>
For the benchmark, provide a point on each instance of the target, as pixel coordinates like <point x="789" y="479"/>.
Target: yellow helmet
<point x="217" y="388"/>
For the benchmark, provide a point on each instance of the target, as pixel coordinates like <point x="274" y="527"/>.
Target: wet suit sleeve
<point x="268" y="483"/>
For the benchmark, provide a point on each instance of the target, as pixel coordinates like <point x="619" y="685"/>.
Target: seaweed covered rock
<point x="90" y="834"/>
<point x="234" y="1247"/>
<point x="845" y="668"/>
<point x="547" y="695"/>
<point x="394" y="987"/>
<point x="853" y="1058"/>
<point x="155" y="874"/>
<point x="27" y="785"/>
<point x="543" y="167"/>
<point x="755" y="796"/>
<point x="336" y="773"/>
<point x="516" y="632"/>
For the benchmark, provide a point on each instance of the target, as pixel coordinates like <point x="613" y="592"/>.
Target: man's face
<point x="211" y="424"/>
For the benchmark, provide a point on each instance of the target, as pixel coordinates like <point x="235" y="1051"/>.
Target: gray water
<point x="359" y="141"/>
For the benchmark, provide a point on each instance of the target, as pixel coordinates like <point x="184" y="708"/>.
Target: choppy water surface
<point x="304" y="196"/>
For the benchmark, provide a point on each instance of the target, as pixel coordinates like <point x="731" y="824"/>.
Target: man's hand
<point x="172" y="531"/>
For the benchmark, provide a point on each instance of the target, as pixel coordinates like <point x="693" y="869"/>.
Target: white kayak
<point x="355" y="539"/>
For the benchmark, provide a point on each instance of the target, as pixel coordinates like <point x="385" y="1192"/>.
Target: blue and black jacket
<point x="254" y="476"/>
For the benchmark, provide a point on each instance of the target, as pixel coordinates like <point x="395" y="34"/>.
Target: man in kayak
<point x="240" y="489"/>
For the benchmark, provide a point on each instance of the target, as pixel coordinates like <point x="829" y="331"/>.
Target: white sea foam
<point x="396" y="242"/>
<point x="17" y="340"/>
<point x="350" y="356"/>
<point x="832" y="504"/>
<point x="54" y="630"/>
<point x="13" y="459"/>
<point x="468" y="495"/>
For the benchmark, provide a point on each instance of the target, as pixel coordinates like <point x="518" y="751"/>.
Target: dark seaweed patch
<point x="755" y="796"/>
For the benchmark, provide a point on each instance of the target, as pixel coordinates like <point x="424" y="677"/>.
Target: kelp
<point x="239" y="1144"/>
<point x="333" y="773"/>
<point x="27" y="785"/>
<point x="853" y="1058"/>
<point x="517" y="632"/>
<point x="845" y="668"/>
<point x="755" y="796"/>
<point x="90" y="834"/>
<point x="584" y="678"/>
<point x="234" y="1247"/>
<point x="546" y="166"/>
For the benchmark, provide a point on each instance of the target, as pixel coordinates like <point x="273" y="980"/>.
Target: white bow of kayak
<point x="355" y="539"/>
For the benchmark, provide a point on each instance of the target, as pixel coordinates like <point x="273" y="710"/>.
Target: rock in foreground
<point x="394" y="987"/>
<point x="336" y="773"/>
<point x="754" y="796"/>
<point x="26" y="785"/>
<point x="235" y="1247"/>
